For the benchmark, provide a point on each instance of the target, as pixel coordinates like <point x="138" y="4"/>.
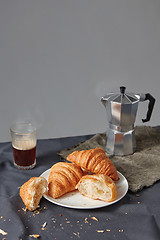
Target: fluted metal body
<point x="121" y="109"/>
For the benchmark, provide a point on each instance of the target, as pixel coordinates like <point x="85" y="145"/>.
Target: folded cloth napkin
<point x="142" y="168"/>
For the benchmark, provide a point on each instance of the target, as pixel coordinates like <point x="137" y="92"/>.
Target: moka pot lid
<point x="122" y="97"/>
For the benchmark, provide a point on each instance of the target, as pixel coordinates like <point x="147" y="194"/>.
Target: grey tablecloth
<point x="136" y="216"/>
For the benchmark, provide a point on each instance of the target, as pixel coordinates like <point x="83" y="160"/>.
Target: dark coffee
<point x="24" y="157"/>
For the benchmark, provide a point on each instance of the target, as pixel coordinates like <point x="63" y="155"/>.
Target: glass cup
<point x="24" y="140"/>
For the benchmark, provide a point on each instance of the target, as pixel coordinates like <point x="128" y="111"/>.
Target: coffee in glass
<point x="24" y="145"/>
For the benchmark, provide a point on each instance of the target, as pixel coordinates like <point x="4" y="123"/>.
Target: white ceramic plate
<point x="76" y="200"/>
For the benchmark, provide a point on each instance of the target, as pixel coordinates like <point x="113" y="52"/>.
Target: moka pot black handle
<point x="151" y="103"/>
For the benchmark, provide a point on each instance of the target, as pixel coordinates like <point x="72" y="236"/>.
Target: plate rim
<point x="54" y="201"/>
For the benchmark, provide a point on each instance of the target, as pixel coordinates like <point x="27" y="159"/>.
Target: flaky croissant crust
<point x="63" y="178"/>
<point x="94" y="160"/>
<point x="31" y="192"/>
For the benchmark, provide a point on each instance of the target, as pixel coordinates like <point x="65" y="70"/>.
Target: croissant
<point x="31" y="192"/>
<point x="94" y="160"/>
<point x="98" y="186"/>
<point x="63" y="178"/>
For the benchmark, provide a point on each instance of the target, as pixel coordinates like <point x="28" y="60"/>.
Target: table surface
<point x="136" y="216"/>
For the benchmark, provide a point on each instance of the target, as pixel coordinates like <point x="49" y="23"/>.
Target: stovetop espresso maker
<point x="121" y="110"/>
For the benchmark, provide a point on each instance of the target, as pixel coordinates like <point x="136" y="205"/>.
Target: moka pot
<point x="121" y="108"/>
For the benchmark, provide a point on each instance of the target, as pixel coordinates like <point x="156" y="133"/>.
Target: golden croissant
<point x="98" y="186"/>
<point x="63" y="178"/>
<point x="32" y="191"/>
<point x="94" y="160"/>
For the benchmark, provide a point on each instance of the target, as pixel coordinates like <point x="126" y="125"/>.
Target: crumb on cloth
<point x="3" y="232"/>
<point x="94" y="218"/>
<point x="100" y="231"/>
<point x="34" y="235"/>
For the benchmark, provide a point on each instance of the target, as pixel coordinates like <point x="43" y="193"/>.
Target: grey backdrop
<point x="58" y="57"/>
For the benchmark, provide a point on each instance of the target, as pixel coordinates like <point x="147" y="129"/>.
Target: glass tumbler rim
<point x="23" y="128"/>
